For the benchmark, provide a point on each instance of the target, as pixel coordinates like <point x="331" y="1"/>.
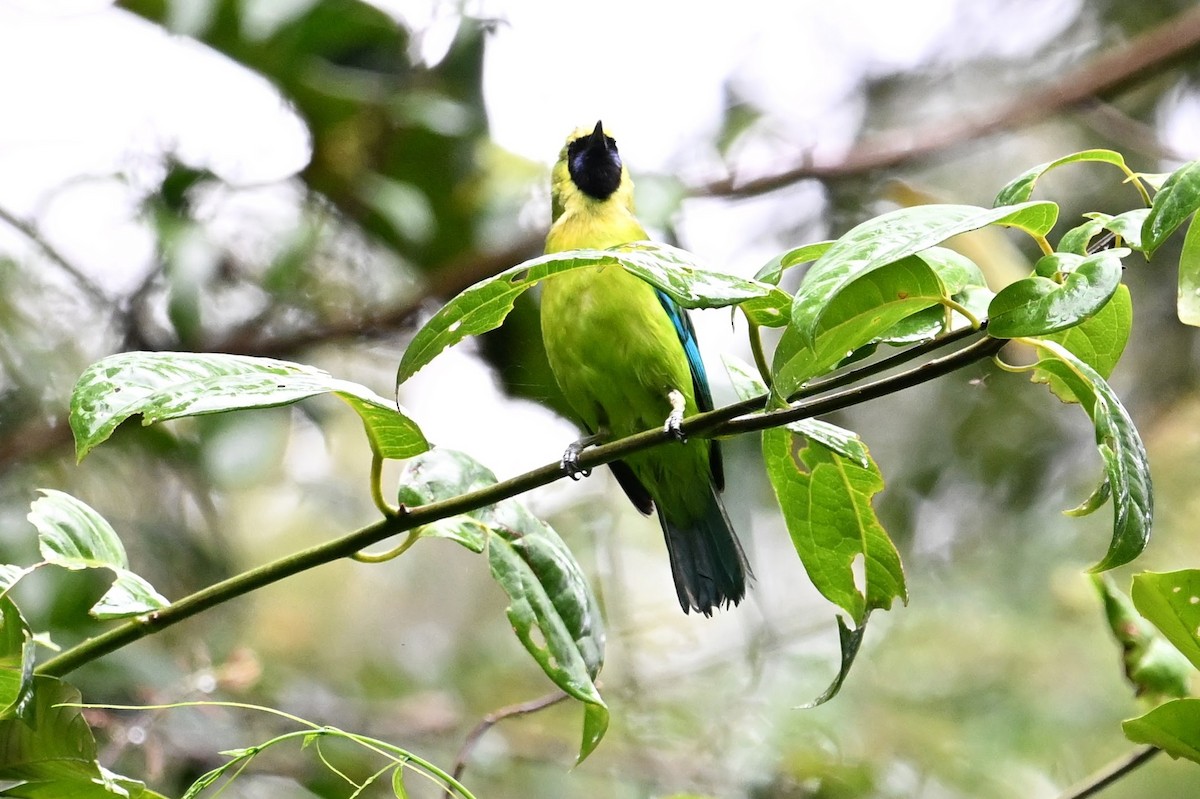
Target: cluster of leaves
<point x="886" y="282"/>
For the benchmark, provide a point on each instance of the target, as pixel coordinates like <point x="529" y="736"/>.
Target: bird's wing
<point x="704" y="402"/>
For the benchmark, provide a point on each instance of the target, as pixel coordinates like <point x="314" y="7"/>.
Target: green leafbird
<point x="626" y="358"/>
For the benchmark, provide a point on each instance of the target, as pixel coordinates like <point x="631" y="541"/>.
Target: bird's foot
<point x="570" y="459"/>
<point x="674" y="423"/>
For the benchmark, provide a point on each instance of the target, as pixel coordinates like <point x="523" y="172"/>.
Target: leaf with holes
<point x="1171" y="602"/>
<point x="826" y="504"/>
<point x="170" y="385"/>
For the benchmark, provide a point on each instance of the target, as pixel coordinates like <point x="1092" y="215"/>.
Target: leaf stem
<point x="377" y="488"/>
<point x="729" y="420"/>
<point x="760" y="357"/>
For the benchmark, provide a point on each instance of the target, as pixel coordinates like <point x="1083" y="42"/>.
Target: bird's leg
<point x="674" y="423"/>
<point x="570" y="459"/>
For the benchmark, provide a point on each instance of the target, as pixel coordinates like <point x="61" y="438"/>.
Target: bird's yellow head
<point x="589" y="172"/>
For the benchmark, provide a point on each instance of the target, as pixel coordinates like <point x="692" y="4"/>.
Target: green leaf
<point x="1173" y="727"/>
<point x="1077" y="239"/>
<point x="1188" y="298"/>
<point x="1171" y="602"/>
<point x="857" y="315"/>
<point x="170" y="385"/>
<point x="1128" y="225"/>
<point x="772" y="271"/>
<point x="1039" y="305"/>
<point x="895" y="236"/>
<point x="1178" y="198"/>
<point x="1126" y="466"/>
<point x="16" y="661"/>
<point x="53" y="754"/>
<point x="551" y="606"/>
<point x="1098" y="341"/>
<point x="1153" y="666"/>
<point x="485" y="305"/>
<point x="74" y="536"/>
<point x="849" y="642"/>
<point x="1020" y="188"/>
<point x="826" y="503"/>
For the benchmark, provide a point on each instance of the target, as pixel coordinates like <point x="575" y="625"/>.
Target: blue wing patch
<point x="704" y="402"/>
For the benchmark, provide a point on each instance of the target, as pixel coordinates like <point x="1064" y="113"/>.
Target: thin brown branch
<point x="1112" y="772"/>
<point x="494" y="718"/>
<point x="1106" y="74"/>
<point x="26" y="229"/>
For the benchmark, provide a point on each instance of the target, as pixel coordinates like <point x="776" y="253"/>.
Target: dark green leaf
<point x="1153" y="666"/>
<point x="1021" y="188"/>
<point x="73" y="535"/>
<point x="1039" y="305"/>
<point x="892" y="237"/>
<point x="858" y="315"/>
<point x="485" y="305"/>
<point x="1178" y="198"/>
<point x="551" y="606"/>
<point x="170" y="385"/>
<point x="826" y="503"/>
<point x="1173" y="727"/>
<point x="1126" y="466"/>
<point x="53" y="754"/>
<point x="16" y="661"/>
<point x="1171" y="602"/>
<point x="1188" y="298"/>
<point x="1077" y="239"/>
<point x="1097" y="341"/>
<point x="849" y="642"/>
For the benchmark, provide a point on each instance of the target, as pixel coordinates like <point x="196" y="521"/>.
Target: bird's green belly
<point x="613" y="350"/>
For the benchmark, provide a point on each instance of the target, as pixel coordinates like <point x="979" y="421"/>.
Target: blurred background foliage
<point x="998" y="680"/>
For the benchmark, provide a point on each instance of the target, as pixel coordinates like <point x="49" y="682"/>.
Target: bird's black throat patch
<point x="595" y="164"/>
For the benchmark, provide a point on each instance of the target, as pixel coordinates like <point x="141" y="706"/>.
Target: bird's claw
<point x="674" y="423"/>
<point x="570" y="459"/>
<point x="674" y="427"/>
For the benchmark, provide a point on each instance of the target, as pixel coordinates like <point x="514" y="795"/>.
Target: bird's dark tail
<point x="707" y="562"/>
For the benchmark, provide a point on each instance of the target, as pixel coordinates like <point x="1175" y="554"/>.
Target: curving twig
<point x="494" y="718"/>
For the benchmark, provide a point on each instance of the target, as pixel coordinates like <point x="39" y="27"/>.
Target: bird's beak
<point x="598" y="139"/>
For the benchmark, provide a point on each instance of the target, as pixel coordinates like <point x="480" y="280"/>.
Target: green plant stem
<point x="730" y="420"/>
<point x="760" y="357"/>
<point x="1112" y="772"/>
